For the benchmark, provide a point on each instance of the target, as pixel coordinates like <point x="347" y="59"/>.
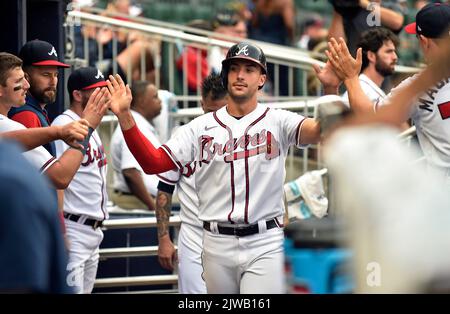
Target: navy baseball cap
<point x="85" y="79"/>
<point x="432" y="21"/>
<point x="40" y="53"/>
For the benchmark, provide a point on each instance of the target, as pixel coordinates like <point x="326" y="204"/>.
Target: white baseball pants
<point x="251" y="264"/>
<point x="190" y="267"/>
<point x="84" y="244"/>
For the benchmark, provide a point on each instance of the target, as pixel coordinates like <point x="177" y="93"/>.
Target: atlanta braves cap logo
<point x="243" y="50"/>
<point x="53" y="52"/>
<point x="99" y="75"/>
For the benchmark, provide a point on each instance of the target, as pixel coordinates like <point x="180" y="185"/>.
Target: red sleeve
<point x="152" y="160"/>
<point x="28" y="119"/>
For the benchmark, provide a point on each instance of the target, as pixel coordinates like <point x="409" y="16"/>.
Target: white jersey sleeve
<point x="291" y="124"/>
<point x="180" y="147"/>
<point x="39" y="157"/>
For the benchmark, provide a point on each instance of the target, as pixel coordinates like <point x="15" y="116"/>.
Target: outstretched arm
<point x="348" y="68"/>
<point x="400" y="102"/>
<point x="62" y="171"/>
<point x="70" y="133"/>
<point x="151" y="160"/>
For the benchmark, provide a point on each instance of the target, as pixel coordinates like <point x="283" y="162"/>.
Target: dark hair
<point x="372" y="40"/>
<point x="7" y="63"/>
<point x="137" y="91"/>
<point x="212" y="84"/>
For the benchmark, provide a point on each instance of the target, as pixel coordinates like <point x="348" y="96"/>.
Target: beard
<point x="46" y="96"/>
<point x="383" y="68"/>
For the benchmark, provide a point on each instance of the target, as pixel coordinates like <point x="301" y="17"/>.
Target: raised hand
<point x="345" y="66"/>
<point x="120" y="95"/>
<point x="96" y="107"/>
<point x="327" y="76"/>
<point x="74" y="132"/>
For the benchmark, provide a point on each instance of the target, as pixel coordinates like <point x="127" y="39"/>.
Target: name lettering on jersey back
<point x="94" y="155"/>
<point x="427" y="103"/>
<point x="260" y="143"/>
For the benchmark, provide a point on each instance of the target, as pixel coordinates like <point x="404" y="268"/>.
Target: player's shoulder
<point x="64" y="118"/>
<point x="7" y="124"/>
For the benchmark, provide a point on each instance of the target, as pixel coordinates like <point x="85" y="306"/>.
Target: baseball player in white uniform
<point x="238" y="155"/>
<point x="60" y="171"/>
<point x="191" y="230"/>
<point x="85" y="198"/>
<point x="429" y="111"/>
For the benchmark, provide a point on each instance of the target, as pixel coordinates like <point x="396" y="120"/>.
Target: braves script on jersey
<point x="86" y="194"/>
<point x="431" y="115"/>
<point x="239" y="163"/>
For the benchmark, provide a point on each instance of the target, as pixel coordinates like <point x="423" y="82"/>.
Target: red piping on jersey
<point x="231" y="169"/>
<point x="151" y="160"/>
<point x="297" y="134"/>
<point x="247" y="177"/>
<point x="174" y="159"/>
<point x="46" y="164"/>
<point x="167" y="180"/>
<point x="280" y="225"/>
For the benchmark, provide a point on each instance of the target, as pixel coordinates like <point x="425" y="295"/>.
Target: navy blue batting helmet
<point x="245" y="51"/>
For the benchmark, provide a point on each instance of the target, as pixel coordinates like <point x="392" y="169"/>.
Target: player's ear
<point x="77" y="95"/>
<point x="372" y="56"/>
<point x="262" y="80"/>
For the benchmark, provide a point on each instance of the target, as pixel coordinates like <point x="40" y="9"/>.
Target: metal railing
<point x="176" y="38"/>
<point x="140" y="251"/>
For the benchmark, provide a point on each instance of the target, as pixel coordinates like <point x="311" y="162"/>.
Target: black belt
<point x="89" y="222"/>
<point x="121" y="192"/>
<point x="241" y="231"/>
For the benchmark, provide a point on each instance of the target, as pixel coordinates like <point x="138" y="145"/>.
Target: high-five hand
<point x="120" y="101"/>
<point x="120" y="98"/>
<point x="96" y="107"/>
<point x="73" y="132"/>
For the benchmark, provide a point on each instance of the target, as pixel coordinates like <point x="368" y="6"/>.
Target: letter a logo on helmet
<point x="244" y="51"/>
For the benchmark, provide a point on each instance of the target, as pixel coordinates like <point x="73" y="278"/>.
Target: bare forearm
<point x="337" y="27"/>
<point x="331" y="90"/>
<point x="136" y="184"/>
<point x="163" y="210"/>
<point x="391" y="19"/>
<point x="359" y="102"/>
<point x="63" y="171"/>
<point x="398" y="106"/>
<point x="34" y="137"/>
<point x="309" y="131"/>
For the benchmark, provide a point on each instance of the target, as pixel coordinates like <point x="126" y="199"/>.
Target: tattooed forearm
<point x="163" y="209"/>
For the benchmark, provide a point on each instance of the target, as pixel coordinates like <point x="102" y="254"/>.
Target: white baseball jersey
<point x="122" y="158"/>
<point x="39" y="157"/>
<point x="186" y="191"/>
<point x="238" y="163"/>
<point x="86" y="193"/>
<point x="431" y="115"/>
<point x="375" y="93"/>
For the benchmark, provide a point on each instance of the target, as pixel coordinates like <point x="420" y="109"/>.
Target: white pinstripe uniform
<point x="86" y="197"/>
<point x="190" y="236"/>
<point x="39" y="157"/>
<point x="239" y="175"/>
